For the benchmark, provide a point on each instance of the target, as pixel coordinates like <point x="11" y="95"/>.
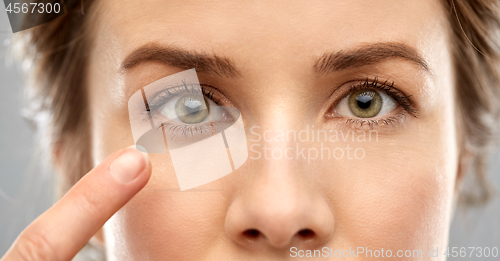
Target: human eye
<point x="372" y="102"/>
<point x="366" y="104"/>
<point x="184" y="108"/>
<point x="191" y="112"/>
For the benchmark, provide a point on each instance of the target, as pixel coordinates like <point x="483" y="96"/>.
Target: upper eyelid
<point x="207" y="91"/>
<point x="170" y="92"/>
<point x="372" y="84"/>
<point x="401" y="98"/>
<point x="353" y="86"/>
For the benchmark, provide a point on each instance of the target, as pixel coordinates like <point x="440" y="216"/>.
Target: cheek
<point x="109" y="134"/>
<point x="406" y="208"/>
<point x="161" y="221"/>
<point x="400" y="195"/>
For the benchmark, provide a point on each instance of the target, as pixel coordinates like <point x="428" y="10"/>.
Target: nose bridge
<point x="275" y="173"/>
<point x="276" y="187"/>
<point x="284" y="97"/>
<point x="278" y="182"/>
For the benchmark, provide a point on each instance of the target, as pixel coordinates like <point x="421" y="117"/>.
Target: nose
<point x="278" y="208"/>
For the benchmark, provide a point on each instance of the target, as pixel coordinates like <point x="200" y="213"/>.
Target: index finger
<point x="64" y="229"/>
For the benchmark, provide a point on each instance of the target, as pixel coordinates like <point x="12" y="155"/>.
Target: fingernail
<point x="128" y="165"/>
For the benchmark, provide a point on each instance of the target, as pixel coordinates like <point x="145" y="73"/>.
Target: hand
<point x="64" y="229"/>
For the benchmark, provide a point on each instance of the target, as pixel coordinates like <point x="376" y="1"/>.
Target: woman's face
<point x="373" y="77"/>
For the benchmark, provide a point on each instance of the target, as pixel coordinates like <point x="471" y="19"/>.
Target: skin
<point x="399" y="196"/>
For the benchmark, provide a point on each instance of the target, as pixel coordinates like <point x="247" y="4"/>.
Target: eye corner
<point x="332" y="114"/>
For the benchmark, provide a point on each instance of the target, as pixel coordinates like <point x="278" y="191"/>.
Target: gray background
<point x="26" y="190"/>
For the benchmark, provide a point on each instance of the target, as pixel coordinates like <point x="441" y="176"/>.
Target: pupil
<point x="192" y="106"/>
<point x="364" y="101"/>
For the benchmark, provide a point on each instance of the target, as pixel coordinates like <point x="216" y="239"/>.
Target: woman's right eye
<point x="192" y="112"/>
<point x="188" y="108"/>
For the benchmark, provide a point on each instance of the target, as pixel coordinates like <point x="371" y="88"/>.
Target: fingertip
<point x="129" y="165"/>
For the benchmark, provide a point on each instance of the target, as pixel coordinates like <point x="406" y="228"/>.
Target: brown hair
<point x="58" y="51"/>
<point x="55" y="90"/>
<point x="475" y="46"/>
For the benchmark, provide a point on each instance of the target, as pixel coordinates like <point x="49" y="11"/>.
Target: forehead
<point x="277" y="27"/>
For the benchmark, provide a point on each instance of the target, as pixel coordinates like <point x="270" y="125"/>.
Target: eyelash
<point x="170" y="92"/>
<point x="398" y="96"/>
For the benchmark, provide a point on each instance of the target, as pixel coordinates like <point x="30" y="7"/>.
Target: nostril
<point x="251" y="233"/>
<point x="306" y="233"/>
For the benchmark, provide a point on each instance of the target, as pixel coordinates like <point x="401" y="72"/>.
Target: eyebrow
<point x="327" y="63"/>
<point x="367" y="55"/>
<point x="183" y="59"/>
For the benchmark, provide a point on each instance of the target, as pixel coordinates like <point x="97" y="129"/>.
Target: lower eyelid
<point x="184" y="134"/>
<point x="375" y="123"/>
<point x="395" y="117"/>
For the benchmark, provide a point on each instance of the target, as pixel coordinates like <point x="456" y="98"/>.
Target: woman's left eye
<point x="188" y="109"/>
<point x="365" y="103"/>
